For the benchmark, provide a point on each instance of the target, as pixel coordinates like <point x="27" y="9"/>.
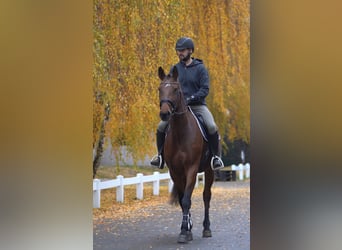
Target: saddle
<point x="204" y="132"/>
<point x="200" y="123"/>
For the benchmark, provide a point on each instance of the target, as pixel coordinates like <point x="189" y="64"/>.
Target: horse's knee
<point x="186" y="202"/>
<point x="206" y="194"/>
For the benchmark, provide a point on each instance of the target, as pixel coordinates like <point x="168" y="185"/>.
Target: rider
<point x="194" y="79"/>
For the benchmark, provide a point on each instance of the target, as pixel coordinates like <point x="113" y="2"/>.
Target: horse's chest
<point x="175" y="156"/>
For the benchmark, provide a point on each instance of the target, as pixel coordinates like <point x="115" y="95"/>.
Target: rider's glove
<point x="192" y="100"/>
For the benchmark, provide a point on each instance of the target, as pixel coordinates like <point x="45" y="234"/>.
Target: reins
<point x="180" y="113"/>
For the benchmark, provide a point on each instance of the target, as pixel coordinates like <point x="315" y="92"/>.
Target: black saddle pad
<point x="200" y="123"/>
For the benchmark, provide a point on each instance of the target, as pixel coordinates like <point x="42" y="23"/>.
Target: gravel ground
<point x="229" y="216"/>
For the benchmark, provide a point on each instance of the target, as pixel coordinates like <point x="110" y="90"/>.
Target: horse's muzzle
<point x="165" y="116"/>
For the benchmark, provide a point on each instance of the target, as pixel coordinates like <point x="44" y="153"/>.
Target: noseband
<point x="173" y="106"/>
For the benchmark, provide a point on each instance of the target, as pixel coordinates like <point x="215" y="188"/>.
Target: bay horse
<point x="186" y="152"/>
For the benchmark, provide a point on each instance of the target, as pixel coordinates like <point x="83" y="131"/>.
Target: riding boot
<point x="216" y="162"/>
<point x="158" y="160"/>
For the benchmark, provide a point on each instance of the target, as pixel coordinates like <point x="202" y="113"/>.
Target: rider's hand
<point x="192" y="100"/>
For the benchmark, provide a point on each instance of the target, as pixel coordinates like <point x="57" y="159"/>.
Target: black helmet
<point x="185" y="43"/>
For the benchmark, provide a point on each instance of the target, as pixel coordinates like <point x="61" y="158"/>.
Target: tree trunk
<point x="99" y="148"/>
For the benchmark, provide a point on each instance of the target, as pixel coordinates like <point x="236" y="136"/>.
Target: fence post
<point x="248" y="170"/>
<point x="197" y="179"/>
<point x="140" y="187"/>
<point x="97" y="194"/>
<point x="240" y="171"/>
<point x="170" y="185"/>
<point x="120" y="191"/>
<point x="156" y="183"/>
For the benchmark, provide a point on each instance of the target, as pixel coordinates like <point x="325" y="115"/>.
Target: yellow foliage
<point x="133" y="38"/>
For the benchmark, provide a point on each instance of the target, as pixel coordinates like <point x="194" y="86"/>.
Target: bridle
<point x="172" y="104"/>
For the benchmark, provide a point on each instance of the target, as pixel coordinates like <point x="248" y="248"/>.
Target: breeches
<point x="202" y="110"/>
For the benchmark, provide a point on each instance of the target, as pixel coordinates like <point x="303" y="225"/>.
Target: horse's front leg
<point x="209" y="178"/>
<point x="186" y="234"/>
<point x="186" y="226"/>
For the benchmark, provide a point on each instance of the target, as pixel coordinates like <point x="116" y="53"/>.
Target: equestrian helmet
<point x="185" y="43"/>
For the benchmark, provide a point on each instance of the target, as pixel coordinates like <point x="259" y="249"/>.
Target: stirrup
<point x="160" y="161"/>
<point x="212" y="163"/>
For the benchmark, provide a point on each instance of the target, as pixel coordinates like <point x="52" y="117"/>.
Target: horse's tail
<point x="174" y="196"/>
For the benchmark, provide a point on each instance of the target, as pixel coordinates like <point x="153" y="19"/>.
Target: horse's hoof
<point x="206" y="233"/>
<point x="184" y="238"/>
<point x="189" y="236"/>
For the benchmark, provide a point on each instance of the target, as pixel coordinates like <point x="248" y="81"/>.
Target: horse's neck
<point x="182" y="120"/>
<point x="182" y="123"/>
<point x="181" y="107"/>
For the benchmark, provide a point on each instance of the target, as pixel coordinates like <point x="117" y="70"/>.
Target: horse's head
<point x="170" y="95"/>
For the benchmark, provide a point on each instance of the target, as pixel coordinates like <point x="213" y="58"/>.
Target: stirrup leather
<point x="212" y="162"/>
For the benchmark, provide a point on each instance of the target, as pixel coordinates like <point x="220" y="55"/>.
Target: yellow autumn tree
<point x="133" y="38"/>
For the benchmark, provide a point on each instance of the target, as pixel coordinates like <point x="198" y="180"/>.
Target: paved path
<point x="229" y="215"/>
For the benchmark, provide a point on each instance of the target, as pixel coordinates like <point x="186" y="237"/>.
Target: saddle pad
<point x="200" y="124"/>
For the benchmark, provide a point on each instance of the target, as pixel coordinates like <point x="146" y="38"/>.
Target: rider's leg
<point x="213" y="137"/>
<point x="214" y="144"/>
<point x="158" y="159"/>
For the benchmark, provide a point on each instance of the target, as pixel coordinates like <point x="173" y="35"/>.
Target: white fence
<point x="242" y="169"/>
<point x="139" y="181"/>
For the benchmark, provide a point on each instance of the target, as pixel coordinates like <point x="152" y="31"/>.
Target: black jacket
<point x="194" y="80"/>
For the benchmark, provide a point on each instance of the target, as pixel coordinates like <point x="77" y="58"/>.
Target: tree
<point x="133" y="38"/>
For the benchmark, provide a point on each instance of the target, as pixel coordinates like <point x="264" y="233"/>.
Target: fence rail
<point x="139" y="181"/>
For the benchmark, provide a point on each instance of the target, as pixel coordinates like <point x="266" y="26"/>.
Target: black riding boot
<point x="216" y="162"/>
<point x="158" y="160"/>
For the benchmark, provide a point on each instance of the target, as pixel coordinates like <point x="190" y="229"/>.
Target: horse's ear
<point x="175" y="73"/>
<point x="161" y="73"/>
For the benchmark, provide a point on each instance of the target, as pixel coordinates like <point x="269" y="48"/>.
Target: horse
<point x="186" y="152"/>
